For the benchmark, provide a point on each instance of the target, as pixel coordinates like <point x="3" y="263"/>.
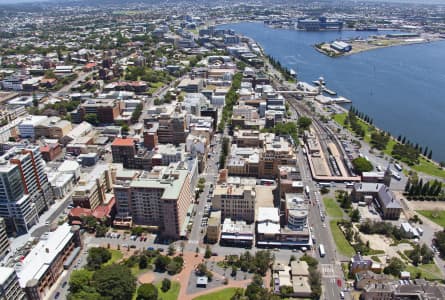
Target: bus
<point x="324" y="184"/>
<point x="307" y="190"/>
<point x="321" y="250"/>
<point x="398" y="167"/>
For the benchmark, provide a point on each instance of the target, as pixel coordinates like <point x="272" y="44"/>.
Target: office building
<point x="172" y="128"/>
<point x="91" y="188"/>
<point x="28" y="126"/>
<point x="235" y="202"/>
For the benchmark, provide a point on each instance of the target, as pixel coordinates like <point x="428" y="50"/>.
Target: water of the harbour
<point x="402" y="88"/>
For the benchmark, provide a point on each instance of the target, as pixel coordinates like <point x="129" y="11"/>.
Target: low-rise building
<point x="214" y="227"/>
<point x="91" y="188"/>
<point x="385" y="200"/>
<point x="28" y="126"/>
<point x="42" y="267"/>
<point x="236" y="233"/>
<point x="235" y="202"/>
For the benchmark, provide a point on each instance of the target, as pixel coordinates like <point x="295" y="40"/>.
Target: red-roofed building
<point x="50" y="151"/>
<point x="104" y="214"/>
<point x="89" y="66"/>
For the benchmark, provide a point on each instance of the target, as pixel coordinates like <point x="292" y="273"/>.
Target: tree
<point x="101" y="230"/>
<point x="234" y="271"/>
<point x="35" y="100"/>
<point x="89" y="222"/>
<point x="355" y="215"/>
<point x="361" y="165"/>
<point x="161" y="262"/>
<point x="115" y="282"/>
<point x="96" y="257"/>
<point x="79" y="279"/>
<point x="87" y="294"/>
<point x="394" y="267"/>
<point x="430" y="154"/>
<point x="125" y="128"/>
<point x="147" y="291"/>
<point x="171" y="250"/>
<point x="49" y="74"/>
<point x="208" y="252"/>
<point x="92" y="119"/>
<point x="304" y="123"/>
<point x="143" y="262"/>
<point x="166" y="284"/>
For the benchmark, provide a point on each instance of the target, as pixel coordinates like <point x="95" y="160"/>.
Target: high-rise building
<point x="16" y="207"/>
<point x="172" y="128"/>
<point x="9" y="285"/>
<point x="158" y="198"/>
<point x="4" y="242"/>
<point x="32" y="171"/>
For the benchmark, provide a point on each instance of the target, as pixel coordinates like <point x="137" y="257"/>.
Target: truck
<point x="321" y="250"/>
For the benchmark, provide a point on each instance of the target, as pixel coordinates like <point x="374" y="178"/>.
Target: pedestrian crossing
<point x="327" y="270"/>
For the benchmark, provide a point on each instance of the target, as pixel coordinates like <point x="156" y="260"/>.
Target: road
<point x="330" y="264"/>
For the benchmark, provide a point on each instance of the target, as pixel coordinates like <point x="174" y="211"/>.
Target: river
<point x="402" y="88"/>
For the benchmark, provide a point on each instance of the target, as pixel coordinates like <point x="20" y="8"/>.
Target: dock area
<point x="376" y="42"/>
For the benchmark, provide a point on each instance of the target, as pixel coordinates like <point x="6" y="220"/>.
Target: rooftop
<point x="120" y="142"/>
<point x="43" y="254"/>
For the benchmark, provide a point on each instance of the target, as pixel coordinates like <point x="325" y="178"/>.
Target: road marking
<point x="193" y="242"/>
<point x="327" y="270"/>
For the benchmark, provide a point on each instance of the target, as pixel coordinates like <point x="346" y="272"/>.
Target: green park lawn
<point x="340" y="119"/>
<point x="332" y="208"/>
<point x="220" y="295"/>
<point x="342" y="244"/>
<point x="437" y="216"/>
<point x="428" y="167"/>
<point x="424" y="166"/>
<point x="116" y="255"/>
<point x="154" y="86"/>
<point x="171" y="294"/>
<point x="429" y="271"/>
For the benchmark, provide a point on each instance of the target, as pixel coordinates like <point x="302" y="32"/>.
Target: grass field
<point x="428" y="167"/>
<point x="116" y="255"/>
<point x="340" y="119"/>
<point x="171" y="294"/>
<point x="437" y="216"/>
<point x="429" y="271"/>
<point x="343" y="245"/>
<point x="424" y="165"/>
<point x="332" y="208"/>
<point x="220" y="295"/>
<point x="154" y="86"/>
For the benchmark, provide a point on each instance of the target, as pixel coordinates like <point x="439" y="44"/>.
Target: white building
<point x="27" y="126"/>
<point x="70" y="167"/>
<point x="61" y="183"/>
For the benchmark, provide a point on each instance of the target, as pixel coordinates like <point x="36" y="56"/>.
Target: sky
<point x="395" y="1"/>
